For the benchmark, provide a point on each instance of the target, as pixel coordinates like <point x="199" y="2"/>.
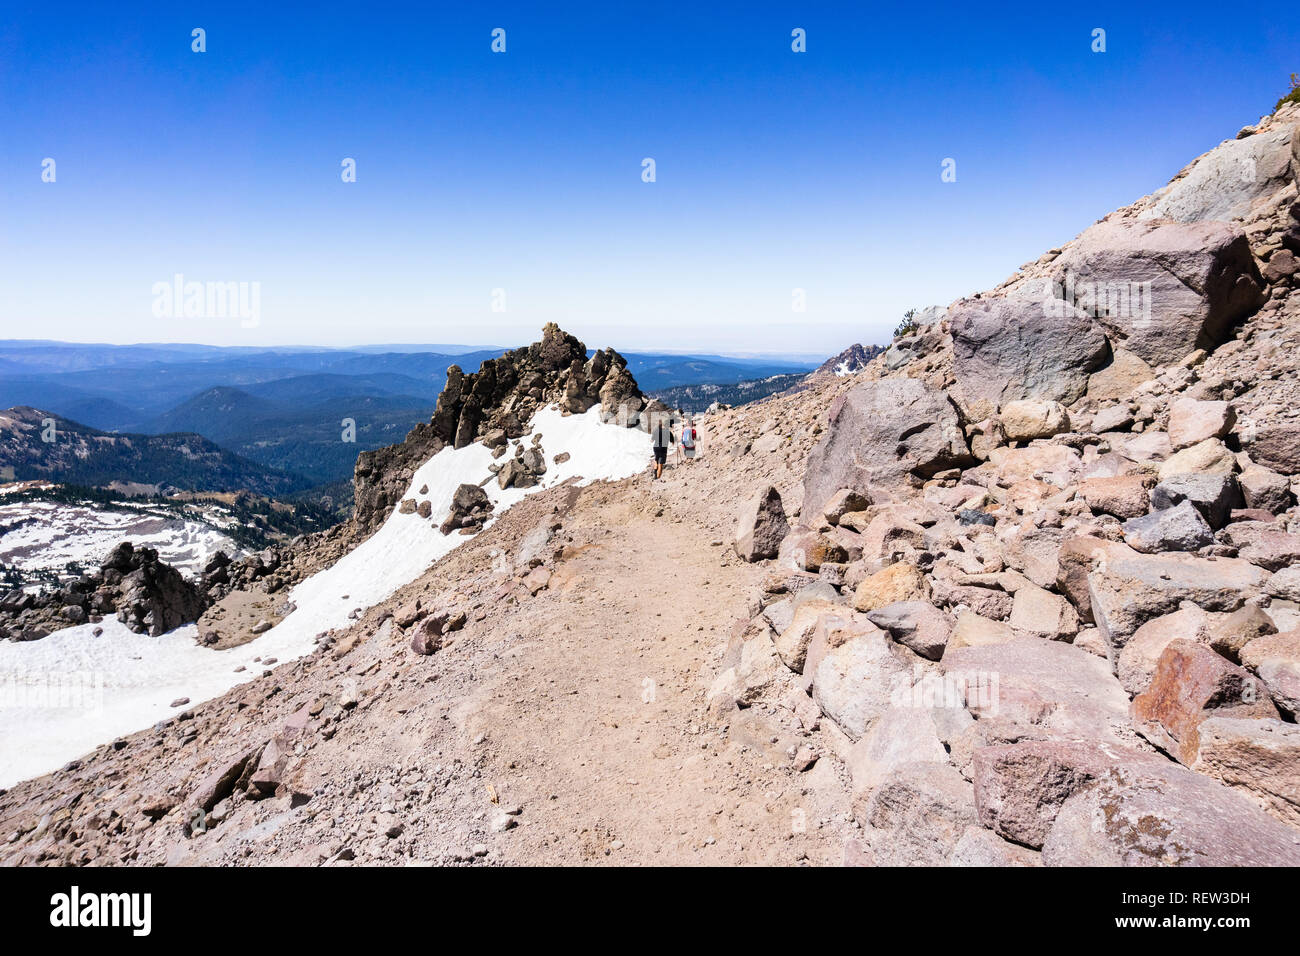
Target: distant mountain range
<point x="656" y="372"/>
<point x="38" y="445"/>
<point x="283" y="409"/>
<point x="693" y="399"/>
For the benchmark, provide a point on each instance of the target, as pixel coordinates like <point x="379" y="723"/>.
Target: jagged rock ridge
<point x="495" y="404"/>
<point x="851" y="361"/>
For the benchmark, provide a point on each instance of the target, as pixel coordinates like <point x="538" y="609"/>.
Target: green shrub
<point x="908" y="324"/>
<point x="1294" y="95"/>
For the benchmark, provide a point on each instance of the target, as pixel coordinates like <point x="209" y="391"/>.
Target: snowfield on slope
<point x="47" y="535"/>
<point x="132" y="679"/>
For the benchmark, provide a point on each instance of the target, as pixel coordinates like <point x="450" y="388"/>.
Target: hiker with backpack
<point x="689" y="437"/>
<point x="661" y="435"/>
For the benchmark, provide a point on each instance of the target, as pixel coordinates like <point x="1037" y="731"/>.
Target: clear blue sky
<point x="522" y="171"/>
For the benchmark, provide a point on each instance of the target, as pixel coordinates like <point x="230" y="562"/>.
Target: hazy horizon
<point x="435" y="347"/>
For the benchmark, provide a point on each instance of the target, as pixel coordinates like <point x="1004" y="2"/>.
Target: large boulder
<point x="1126" y="592"/>
<point x="1020" y="788"/>
<point x="1258" y="757"/>
<point x="1180" y="528"/>
<point x="900" y="736"/>
<point x="1174" y="818"/>
<point x="810" y="617"/>
<point x="843" y="502"/>
<point x="918" y="816"/>
<point x="974" y="630"/>
<point x="915" y="624"/>
<point x="1190" y="684"/>
<point x="1213" y="495"/>
<point x="1274" y="444"/>
<point x="898" y="582"/>
<point x="1008" y="349"/>
<point x="470" y="507"/>
<point x="883" y="432"/>
<point x="1057" y="465"/>
<point x="1265" y="489"/>
<point x="1161" y="289"/>
<point x="854" y="682"/>
<point x="1275" y="659"/>
<point x="761" y="526"/>
<point x="1208" y="457"/>
<point x="1043" y="687"/>
<point x="1224" y="183"/>
<point x="1263" y="543"/>
<point x="1230" y="633"/>
<point x="1124" y="496"/>
<point x="1192" y="421"/>
<point x="1137" y="660"/>
<point x="1041" y="613"/>
<point x="1118" y="379"/>
<point x="1076" y="558"/>
<point x="1285" y="584"/>
<point x="1027" y="419"/>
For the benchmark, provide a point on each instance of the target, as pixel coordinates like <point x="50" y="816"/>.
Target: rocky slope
<point x="1022" y="592"/>
<point x="1045" y="555"/>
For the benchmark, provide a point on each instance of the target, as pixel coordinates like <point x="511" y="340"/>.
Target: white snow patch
<point x="71" y="691"/>
<point x="133" y="678"/>
<point x="48" y="535"/>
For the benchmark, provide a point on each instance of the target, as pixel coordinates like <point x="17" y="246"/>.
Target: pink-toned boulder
<point x="1168" y="288"/>
<point x="1275" y="658"/>
<point x="1176" y="817"/>
<point x="1020" y="788"/>
<point x="1259" y="757"/>
<point x="1138" y="658"/>
<point x="1192" y="421"/>
<point x="1190" y="684"/>
<point x="1265" y="489"/>
<point x="915" y="624"/>
<point x="1124" y="496"/>
<point x="854" y="681"/>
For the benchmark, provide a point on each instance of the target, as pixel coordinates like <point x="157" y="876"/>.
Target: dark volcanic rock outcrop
<point x="505" y="392"/>
<point x="153" y="597"/>
<point x="148" y="595"/>
<point x="501" y="396"/>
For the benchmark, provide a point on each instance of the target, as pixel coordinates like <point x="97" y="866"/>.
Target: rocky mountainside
<point x="496" y="403"/>
<point x="692" y="399"/>
<point x="1021" y="592"/>
<point x="851" y="361"/>
<point x="41" y="446"/>
<point x="150" y="596"/>
<point x="1046" y="553"/>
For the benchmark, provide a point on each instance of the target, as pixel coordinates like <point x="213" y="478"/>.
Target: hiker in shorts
<point x="661" y="435"/>
<point x="689" y="438"/>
